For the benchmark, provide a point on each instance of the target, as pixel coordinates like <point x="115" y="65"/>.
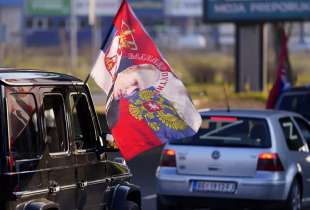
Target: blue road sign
<point x="256" y="10"/>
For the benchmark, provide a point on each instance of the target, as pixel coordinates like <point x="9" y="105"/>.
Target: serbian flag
<point x="282" y="83"/>
<point x="147" y="104"/>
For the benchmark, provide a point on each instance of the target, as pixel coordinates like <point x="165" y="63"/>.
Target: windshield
<point x="230" y="132"/>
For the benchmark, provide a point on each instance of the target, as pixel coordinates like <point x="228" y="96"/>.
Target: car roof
<point x="10" y="76"/>
<point x="297" y="89"/>
<point x="255" y="113"/>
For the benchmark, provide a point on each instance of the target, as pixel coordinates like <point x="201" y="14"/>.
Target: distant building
<point x="47" y="18"/>
<point x="11" y="21"/>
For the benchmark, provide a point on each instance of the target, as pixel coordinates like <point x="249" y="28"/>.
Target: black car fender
<point x="125" y="192"/>
<point x="41" y="204"/>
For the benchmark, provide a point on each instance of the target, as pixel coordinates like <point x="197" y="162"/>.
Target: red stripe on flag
<point x="140" y="48"/>
<point x="281" y="73"/>
<point x="132" y="136"/>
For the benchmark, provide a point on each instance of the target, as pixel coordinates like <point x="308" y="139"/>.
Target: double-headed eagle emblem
<point x="157" y="111"/>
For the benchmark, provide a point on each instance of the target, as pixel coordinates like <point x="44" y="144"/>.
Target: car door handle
<point x="82" y="184"/>
<point x="54" y="188"/>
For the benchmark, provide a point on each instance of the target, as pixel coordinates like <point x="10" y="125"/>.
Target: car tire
<point x="161" y="206"/>
<point x="294" y="198"/>
<point x="132" y="206"/>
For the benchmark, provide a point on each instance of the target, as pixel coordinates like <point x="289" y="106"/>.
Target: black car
<point x="53" y="155"/>
<point x="295" y="99"/>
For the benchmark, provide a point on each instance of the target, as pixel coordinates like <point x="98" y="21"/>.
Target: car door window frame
<point x="39" y="141"/>
<point x="88" y="150"/>
<point x="67" y="152"/>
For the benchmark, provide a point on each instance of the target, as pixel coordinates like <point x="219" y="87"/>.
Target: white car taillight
<point x="269" y="162"/>
<point x="168" y="158"/>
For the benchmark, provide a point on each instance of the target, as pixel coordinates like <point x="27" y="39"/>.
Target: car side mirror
<point x="111" y="145"/>
<point x="107" y="145"/>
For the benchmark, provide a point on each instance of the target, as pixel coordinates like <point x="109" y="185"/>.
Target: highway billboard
<point x="256" y="10"/>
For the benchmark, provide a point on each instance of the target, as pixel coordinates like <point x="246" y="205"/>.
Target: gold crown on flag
<point x="126" y="38"/>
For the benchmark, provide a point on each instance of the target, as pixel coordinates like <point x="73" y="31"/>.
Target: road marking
<point x="149" y="197"/>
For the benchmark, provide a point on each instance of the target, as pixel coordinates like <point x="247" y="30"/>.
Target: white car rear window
<point x="231" y="132"/>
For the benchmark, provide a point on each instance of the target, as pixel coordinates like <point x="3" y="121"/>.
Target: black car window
<point x="292" y="137"/>
<point x="23" y="126"/>
<point x="304" y="107"/>
<point x="82" y="123"/>
<point x="304" y="127"/>
<point x="291" y="102"/>
<point x="224" y="131"/>
<point x="55" y="123"/>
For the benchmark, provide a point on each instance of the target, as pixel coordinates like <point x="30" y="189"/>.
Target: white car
<point x="241" y="158"/>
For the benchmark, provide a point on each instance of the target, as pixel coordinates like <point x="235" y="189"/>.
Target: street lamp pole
<point x="92" y="12"/>
<point x="94" y="23"/>
<point x="73" y="37"/>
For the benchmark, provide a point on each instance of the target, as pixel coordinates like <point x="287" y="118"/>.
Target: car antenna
<point x="226" y="99"/>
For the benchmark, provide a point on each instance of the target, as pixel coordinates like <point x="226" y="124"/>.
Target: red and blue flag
<point x="147" y="104"/>
<point x="282" y="83"/>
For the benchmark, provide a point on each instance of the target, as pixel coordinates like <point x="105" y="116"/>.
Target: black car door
<point x="91" y="170"/>
<point x="25" y="141"/>
<point x="61" y="172"/>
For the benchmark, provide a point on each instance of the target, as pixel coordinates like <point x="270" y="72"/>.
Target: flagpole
<point x="73" y="37"/>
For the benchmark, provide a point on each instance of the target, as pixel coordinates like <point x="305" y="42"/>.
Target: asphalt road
<point x="144" y="168"/>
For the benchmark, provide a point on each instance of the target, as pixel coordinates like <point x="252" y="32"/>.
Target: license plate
<point x="210" y="186"/>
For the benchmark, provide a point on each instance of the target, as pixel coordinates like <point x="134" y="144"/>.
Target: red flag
<point x="147" y="104"/>
<point x="281" y="82"/>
